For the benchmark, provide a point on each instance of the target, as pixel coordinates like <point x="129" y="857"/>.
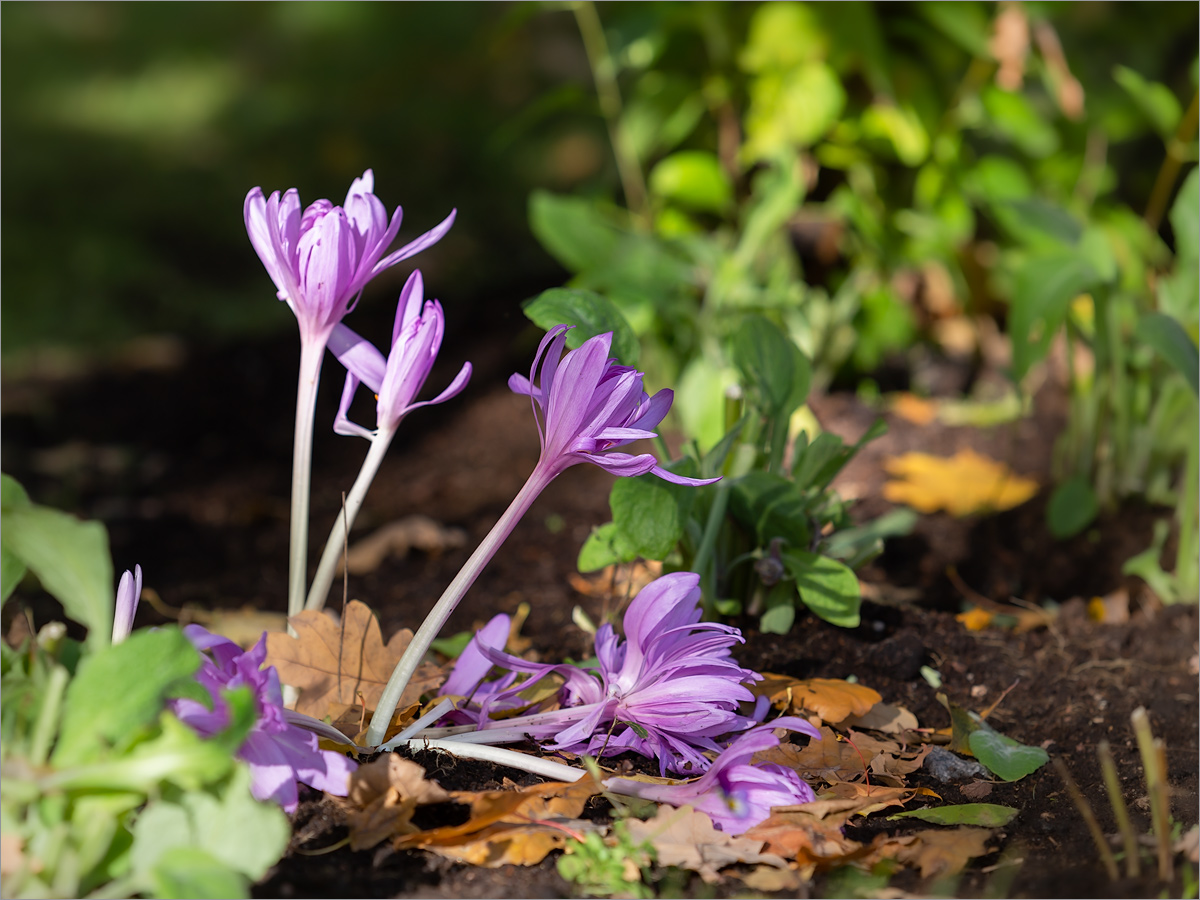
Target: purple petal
<point x="359" y="356"/>
<point x="428" y="239"/>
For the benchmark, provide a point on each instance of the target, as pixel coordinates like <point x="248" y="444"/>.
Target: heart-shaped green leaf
<point x="1004" y="757"/>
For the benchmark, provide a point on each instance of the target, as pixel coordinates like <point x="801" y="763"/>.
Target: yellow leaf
<point x="962" y="484"/>
<point x="332" y="664"/>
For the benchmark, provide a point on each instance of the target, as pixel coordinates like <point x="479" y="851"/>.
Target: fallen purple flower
<point x="416" y="339"/>
<point x="586" y="406"/>
<point x="668" y="691"/>
<point x="129" y="591"/>
<point x="278" y="752"/>
<point x="320" y="259"/>
<point x="735" y="794"/>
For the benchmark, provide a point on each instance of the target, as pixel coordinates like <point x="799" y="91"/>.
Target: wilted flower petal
<point x="279" y="753"/>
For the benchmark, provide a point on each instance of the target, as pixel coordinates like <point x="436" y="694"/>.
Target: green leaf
<point x="71" y="560"/>
<point x="184" y="872"/>
<point x="1155" y="101"/>
<point x="780" y="610"/>
<point x="771" y="365"/>
<point x="901" y="128"/>
<point x="1012" y="116"/>
<point x="1072" y="507"/>
<point x="693" y="179"/>
<point x="782" y="36"/>
<point x="119" y="690"/>
<point x="826" y="586"/>
<point x="605" y="546"/>
<point x="793" y="108"/>
<point x="1045" y="287"/>
<point x="966" y="24"/>
<point x="1034" y="215"/>
<point x="573" y="230"/>
<point x="650" y="513"/>
<point x="771" y="507"/>
<point x="454" y="645"/>
<point x="590" y="313"/>
<point x="1167" y="336"/>
<point x="1185" y="218"/>
<point x="1004" y="757"/>
<point x="854" y="546"/>
<point x="989" y="815"/>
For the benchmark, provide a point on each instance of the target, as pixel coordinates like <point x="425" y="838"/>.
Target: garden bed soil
<point x="184" y="455"/>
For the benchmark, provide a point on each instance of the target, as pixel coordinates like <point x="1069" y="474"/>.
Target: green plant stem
<point x="345" y="519"/>
<point x="311" y="354"/>
<point x="604" y="74"/>
<point x="1133" y="863"/>
<point x="1172" y="162"/>
<point x="46" y="725"/>
<point x="449" y="600"/>
<point x="703" y="563"/>
<point x="1187" y="559"/>
<point x="1089" y="817"/>
<point x="1153" y="762"/>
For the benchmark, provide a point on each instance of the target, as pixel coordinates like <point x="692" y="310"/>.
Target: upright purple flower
<point x="129" y="591"/>
<point x="586" y="406"/>
<point x="321" y="258"/>
<point x="668" y="691"/>
<point x="279" y="753"/>
<point x="416" y="340"/>
<point x="735" y="794"/>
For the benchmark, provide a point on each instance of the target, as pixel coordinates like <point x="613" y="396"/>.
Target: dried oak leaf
<point x="383" y="796"/>
<point x="834" y="759"/>
<point x="505" y="844"/>
<point x="687" y="838"/>
<point x="341" y="664"/>
<point x="884" y="717"/>
<point x="962" y="484"/>
<point x="936" y="852"/>
<point x="811" y="840"/>
<point x="832" y="699"/>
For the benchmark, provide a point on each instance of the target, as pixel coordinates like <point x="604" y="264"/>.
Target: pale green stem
<point x="311" y="354"/>
<point x="449" y="600"/>
<point x="345" y="520"/>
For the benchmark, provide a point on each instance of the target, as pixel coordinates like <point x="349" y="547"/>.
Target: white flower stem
<point x="449" y="600"/>
<point x="311" y="354"/>
<point x="500" y="756"/>
<point x="345" y="520"/>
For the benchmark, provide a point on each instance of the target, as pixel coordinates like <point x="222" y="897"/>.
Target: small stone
<point x="945" y="766"/>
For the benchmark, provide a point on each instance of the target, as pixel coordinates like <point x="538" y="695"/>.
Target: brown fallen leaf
<point x="687" y="838"/>
<point x="937" y="852"/>
<point x="768" y="879"/>
<point x="962" y="484"/>
<point x="343" y="664"/>
<point x="832" y="699"/>
<point x="884" y="717"/>
<point x="397" y="538"/>
<point x="811" y="840"/>
<point x="504" y="844"/>
<point x="976" y="790"/>
<point x="383" y="796"/>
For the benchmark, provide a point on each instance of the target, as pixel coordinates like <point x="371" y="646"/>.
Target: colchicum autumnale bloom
<point x="129" y="591"/>
<point x="278" y="752"/>
<point x="320" y="259"/>
<point x="395" y="381"/>
<point x="587" y="406"/>
<point x="733" y="793"/>
<point x="669" y="691"/>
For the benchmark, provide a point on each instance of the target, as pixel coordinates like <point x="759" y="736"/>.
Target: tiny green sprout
<point x="606" y="867"/>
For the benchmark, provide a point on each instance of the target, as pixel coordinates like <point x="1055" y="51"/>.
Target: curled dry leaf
<point x="397" y="538"/>
<point x="831" y="699"/>
<point x="962" y="484"/>
<point x="811" y="840"/>
<point x="884" y="717"/>
<point x="383" y="796"/>
<point x="936" y="852"/>
<point x="835" y="759"/>
<point x="687" y="838"/>
<point x="343" y="664"/>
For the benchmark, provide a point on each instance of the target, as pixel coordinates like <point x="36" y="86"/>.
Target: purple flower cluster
<point x="279" y="753"/>
<point x="669" y="690"/>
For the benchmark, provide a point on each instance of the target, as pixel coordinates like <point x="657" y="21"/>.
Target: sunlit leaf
<point x="590" y="313"/>
<point x="828" y="587"/>
<point x="1155" y="100"/>
<point x="962" y="485"/>
<point x="695" y="179"/>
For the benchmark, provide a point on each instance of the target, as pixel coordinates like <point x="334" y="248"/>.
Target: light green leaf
<point x="826" y="586"/>
<point x="1012" y="116"/>
<point x="1045" y="287"/>
<point x="590" y="313"/>
<point x="1155" y="101"/>
<point x="782" y="36"/>
<point x="989" y="815"/>
<point x="781" y="609"/>
<point x="1004" y="757"/>
<point x="794" y="108"/>
<point x="901" y="128"/>
<point x="573" y="230"/>
<point x="183" y="872"/>
<point x="694" y="179"/>
<point x="1167" y="336"/>
<point x="771" y="365"/>
<point x="118" y="690"/>
<point x="650" y="513"/>
<point x="1185" y="218"/>
<point x="605" y="546"/>
<point x="70" y="558"/>
<point x="1072" y="507"/>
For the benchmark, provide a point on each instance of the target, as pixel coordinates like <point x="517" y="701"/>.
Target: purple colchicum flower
<point x="735" y="794"/>
<point x="668" y="691"/>
<point x="321" y="258"/>
<point x="589" y="406"/>
<point x="129" y="591"/>
<point x="279" y="754"/>
<point x="416" y="339"/>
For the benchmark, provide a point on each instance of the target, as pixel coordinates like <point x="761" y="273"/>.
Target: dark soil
<point x="187" y="462"/>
